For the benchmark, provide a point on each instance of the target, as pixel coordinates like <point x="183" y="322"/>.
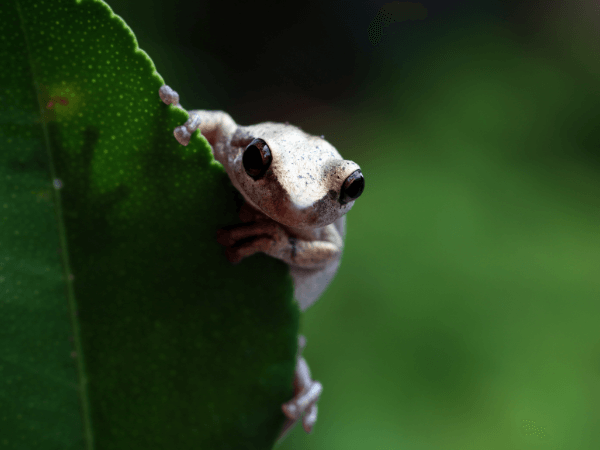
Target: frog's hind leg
<point x="306" y="395"/>
<point x="213" y="125"/>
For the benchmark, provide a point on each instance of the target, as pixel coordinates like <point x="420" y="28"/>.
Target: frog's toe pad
<point x="182" y="135"/>
<point x="310" y="418"/>
<point x="168" y="95"/>
<point x="233" y="255"/>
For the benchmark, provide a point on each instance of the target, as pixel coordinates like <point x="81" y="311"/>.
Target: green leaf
<point x="122" y="325"/>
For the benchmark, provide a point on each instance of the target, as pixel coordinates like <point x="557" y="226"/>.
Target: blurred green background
<point x="465" y="312"/>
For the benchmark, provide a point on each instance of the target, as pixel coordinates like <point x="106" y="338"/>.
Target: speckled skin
<point x="294" y="211"/>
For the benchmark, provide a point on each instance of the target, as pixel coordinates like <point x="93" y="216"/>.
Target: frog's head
<point x="296" y="179"/>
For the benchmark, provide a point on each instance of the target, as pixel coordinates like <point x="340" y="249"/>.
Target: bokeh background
<point x="465" y="314"/>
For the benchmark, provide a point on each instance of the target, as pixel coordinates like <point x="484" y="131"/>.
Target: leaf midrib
<point x="64" y="254"/>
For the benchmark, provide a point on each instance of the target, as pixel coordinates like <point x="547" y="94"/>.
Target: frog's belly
<point x="309" y="284"/>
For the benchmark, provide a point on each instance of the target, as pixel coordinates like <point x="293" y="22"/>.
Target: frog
<point x="297" y="190"/>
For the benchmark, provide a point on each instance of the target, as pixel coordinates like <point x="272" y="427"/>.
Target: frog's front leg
<point x="267" y="236"/>
<point x="306" y="394"/>
<point x="246" y="239"/>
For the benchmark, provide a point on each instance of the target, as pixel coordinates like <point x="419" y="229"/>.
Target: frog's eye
<point x="257" y="158"/>
<point x="352" y="187"/>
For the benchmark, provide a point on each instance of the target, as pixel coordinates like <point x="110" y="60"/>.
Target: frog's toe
<point x="182" y="135"/>
<point x="168" y="95"/>
<point x="303" y="403"/>
<point x="310" y="418"/>
<point x="306" y="395"/>
<point x="233" y="255"/>
<point x="224" y="237"/>
<point x="236" y="235"/>
<point x="247" y="247"/>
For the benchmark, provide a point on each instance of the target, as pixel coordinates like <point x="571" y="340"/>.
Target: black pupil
<point x="356" y="187"/>
<point x="253" y="158"/>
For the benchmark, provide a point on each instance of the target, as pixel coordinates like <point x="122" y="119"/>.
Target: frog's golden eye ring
<point x="352" y="187"/>
<point x="257" y="159"/>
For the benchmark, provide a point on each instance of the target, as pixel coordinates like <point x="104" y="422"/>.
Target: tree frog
<point x="297" y="190"/>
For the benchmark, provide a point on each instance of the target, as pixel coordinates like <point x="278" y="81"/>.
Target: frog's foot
<point x="245" y="239"/>
<point x="306" y="395"/>
<point x="185" y="131"/>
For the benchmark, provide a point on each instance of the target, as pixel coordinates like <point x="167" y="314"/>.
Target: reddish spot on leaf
<point x="61" y="100"/>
